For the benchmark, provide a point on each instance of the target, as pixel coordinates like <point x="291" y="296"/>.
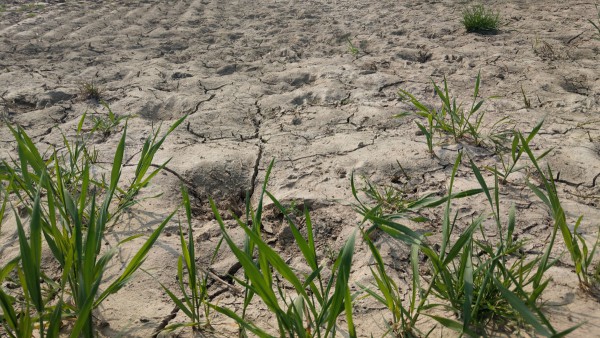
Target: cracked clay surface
<point x="269" y="79"/>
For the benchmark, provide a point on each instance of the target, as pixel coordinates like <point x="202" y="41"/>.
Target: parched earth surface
<point x="313" y="85"/>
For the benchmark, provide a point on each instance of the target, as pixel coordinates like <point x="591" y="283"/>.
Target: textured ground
<point x="277" y="79"/>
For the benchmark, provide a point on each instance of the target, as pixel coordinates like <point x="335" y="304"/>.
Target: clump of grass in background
<point x="90" y="91"/>
<point x="479" y="19"/>
<point x="195" y="300"/>
<point x="105" y="125"/>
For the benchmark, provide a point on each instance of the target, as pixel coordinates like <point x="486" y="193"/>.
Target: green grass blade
<point x="135" y="262"/>
<point x="462" y="241"/>
<point x="523" y="310"/>
<point x="117" y="162"/>
<point x="343" y="263"/>
<point x="241" y="321"/>
<point x="8" y="311"/>
<point x="468" y="285"/>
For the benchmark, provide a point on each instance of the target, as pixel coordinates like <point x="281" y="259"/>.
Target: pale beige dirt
<point x="276" y="79"/>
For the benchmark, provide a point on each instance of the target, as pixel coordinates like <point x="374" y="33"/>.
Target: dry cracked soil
<point x="313" y="85"/>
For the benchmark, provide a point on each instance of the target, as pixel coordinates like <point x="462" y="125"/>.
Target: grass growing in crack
<point x="479" y="19"/>
<point x="60" y="194"/>
<point x="496" y="286"/>
<point x="313" y="308"/>
<point x="194" y="302"/>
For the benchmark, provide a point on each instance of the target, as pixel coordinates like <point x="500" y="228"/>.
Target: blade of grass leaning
<point x="117" y="162"/>
<point x="241" y="321"/>
<point x="252" y="272"/>
<point x="31" y="255"/>
<point x="343" y="264"/>
<point x="468" y="284"/>
<point x="135" y="262"/>
<point x="446" y="219"/>
<point x="305" y="247"/>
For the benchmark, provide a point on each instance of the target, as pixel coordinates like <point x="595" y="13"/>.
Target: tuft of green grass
<point x="484" y="283"/>
<point x="479" y="19"/>
<point x="59" y="191"/>
<point x="452" y="118"/>
<point x="106" y="125"/>
<point x="352" y="48"/>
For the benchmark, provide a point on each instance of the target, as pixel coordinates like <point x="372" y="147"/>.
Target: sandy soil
<point x="277" y="79"/>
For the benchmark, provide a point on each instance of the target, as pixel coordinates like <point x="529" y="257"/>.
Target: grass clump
<point x="70" y="211"/>
<point x="486" y="284"/>
<point x="479" y="19"/>
<point x="105" y="125"/>
<point x="451" y="118"/>
<point x="90" y="91"/>
<point x="195" y="300"/>
<point x="316" y="300"/>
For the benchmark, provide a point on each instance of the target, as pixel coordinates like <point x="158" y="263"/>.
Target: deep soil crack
<point x="256" y="121"/>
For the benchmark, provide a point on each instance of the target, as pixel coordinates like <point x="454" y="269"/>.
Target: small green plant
<point x="508" y="163"/>
<point x="313" y="308"/>
<point x="479" y="19"/>
<point x="352" y="49"/>
<point x="526" y="100"/>
<point x="451" y="118"/>
<point x="195" y="302"/>
<point x="105" y="125"/>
